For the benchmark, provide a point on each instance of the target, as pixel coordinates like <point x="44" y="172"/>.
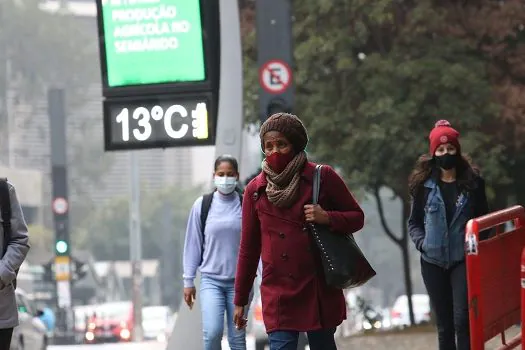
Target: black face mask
<point x="447" y="161"/>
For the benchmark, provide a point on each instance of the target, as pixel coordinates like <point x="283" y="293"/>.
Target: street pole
<point x="274" y="56"/>
<point x="135" y="245"/>
<point x="60" y="206"/>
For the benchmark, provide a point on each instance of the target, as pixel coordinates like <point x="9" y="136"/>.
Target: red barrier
<point x="523" y="298"/>
<point x="493" y="272"/>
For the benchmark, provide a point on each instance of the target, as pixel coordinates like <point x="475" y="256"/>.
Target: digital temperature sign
<point x="158" y="122"/>
<point x="148" y="42"/>
<point x="160" y="69"/>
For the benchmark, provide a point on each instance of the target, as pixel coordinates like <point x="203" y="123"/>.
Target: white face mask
<point x="225" y="184"/>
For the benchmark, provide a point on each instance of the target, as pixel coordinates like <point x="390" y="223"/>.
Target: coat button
<point x="284" y="256"/>
<point x="305" y="228"/>
<point x="281" y="235"/>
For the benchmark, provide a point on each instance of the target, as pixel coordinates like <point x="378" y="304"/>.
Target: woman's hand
<point x="189" y="296"/>
<point x="238" y="318"/>
<point x="316" y="214"/>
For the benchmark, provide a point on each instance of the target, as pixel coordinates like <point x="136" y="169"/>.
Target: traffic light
<point x="80" y="271"/>
<point x="277" y="105"/>
<point x="61" y="247"/>
<point x="61" y="238"/>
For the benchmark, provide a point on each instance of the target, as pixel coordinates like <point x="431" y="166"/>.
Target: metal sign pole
<point x="275" y="56"/>
<point x="57" y="126"/>
<point x="135" y="246"/>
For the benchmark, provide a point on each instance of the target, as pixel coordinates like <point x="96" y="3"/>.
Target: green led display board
<point x="149" y="42"/>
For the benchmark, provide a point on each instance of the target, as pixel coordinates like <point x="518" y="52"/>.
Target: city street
<point x="135" y="346"/>
<point x="415" y="341"/>
<point x="112" y="346"/>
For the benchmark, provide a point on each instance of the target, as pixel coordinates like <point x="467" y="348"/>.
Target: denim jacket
<point x="438" y="242"/>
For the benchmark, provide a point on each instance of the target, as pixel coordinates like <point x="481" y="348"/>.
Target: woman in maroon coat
<point x="276" y="207"/>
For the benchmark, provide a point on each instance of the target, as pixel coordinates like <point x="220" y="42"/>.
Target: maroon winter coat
<point x="294" y="293"/>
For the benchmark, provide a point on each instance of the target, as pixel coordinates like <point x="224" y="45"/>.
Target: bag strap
<point x="206" y="205"/>
<point x="205" y="209"/>
<point x="316" y="184"/>
<point x="5" y="209"/>
<point x="239" y="192"/>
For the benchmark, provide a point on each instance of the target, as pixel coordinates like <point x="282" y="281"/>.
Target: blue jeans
<point x="322" y="339"/>
<point x="216" y="298"/>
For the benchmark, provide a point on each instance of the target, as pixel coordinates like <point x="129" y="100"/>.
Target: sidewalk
<point x="423" y="340"/>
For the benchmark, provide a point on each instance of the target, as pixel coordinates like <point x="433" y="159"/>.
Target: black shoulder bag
<point x="344" y="264"/>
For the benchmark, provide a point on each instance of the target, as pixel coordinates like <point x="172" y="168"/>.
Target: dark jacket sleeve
<point x="416" y="227"/>
<point x="481" y="207"/>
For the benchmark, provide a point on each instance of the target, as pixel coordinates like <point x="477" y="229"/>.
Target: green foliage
<point x="163" y="221"/>
<point x="372" y="78"/>
<point x="250" y="77"/>
<point x="375" y="77"/>
<point x="41" y="240"/>
<point x="164" y="214"/>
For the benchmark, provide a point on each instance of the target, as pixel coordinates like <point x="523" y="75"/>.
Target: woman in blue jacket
<point x="447" y="191"/>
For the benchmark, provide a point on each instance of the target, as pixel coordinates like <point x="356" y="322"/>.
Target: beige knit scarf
<point x="283" y="189"/>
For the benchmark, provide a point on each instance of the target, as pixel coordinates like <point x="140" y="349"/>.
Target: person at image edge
<point x="447" y="191"/>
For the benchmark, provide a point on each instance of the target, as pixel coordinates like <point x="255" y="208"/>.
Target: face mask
<point x="225" y="184"/>
<point x="278" y="161"/>
<point x="447" y="161"/>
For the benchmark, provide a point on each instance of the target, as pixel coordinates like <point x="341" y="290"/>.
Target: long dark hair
<point x="466" y="173"/>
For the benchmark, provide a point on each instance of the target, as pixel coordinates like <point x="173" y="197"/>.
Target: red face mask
<point x="278" y="161"/>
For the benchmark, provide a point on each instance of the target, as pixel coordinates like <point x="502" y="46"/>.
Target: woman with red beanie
<point x="447" y="191"/>
<point x="276" y="209"/>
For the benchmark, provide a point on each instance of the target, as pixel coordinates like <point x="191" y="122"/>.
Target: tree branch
<point x="381" y="211"/>
<point x="376" y="35"/>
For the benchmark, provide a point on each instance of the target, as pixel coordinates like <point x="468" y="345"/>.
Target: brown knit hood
<point x="290" y="126"/>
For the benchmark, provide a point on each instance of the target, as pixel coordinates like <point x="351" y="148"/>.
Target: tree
<point x="497" y="30"/>
<point x="41" y="240"/>
<point x="163" y="221"/>
<point x="250" y="71"/>
<point x="106" y="231"/>
<point x="372" y="78"/>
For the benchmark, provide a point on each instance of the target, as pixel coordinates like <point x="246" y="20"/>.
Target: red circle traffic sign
<point x="60" y="205"/>
<point x="275" y="76"/>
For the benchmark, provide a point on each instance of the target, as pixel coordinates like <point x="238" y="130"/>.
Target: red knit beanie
<point x="443" y="133"/>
